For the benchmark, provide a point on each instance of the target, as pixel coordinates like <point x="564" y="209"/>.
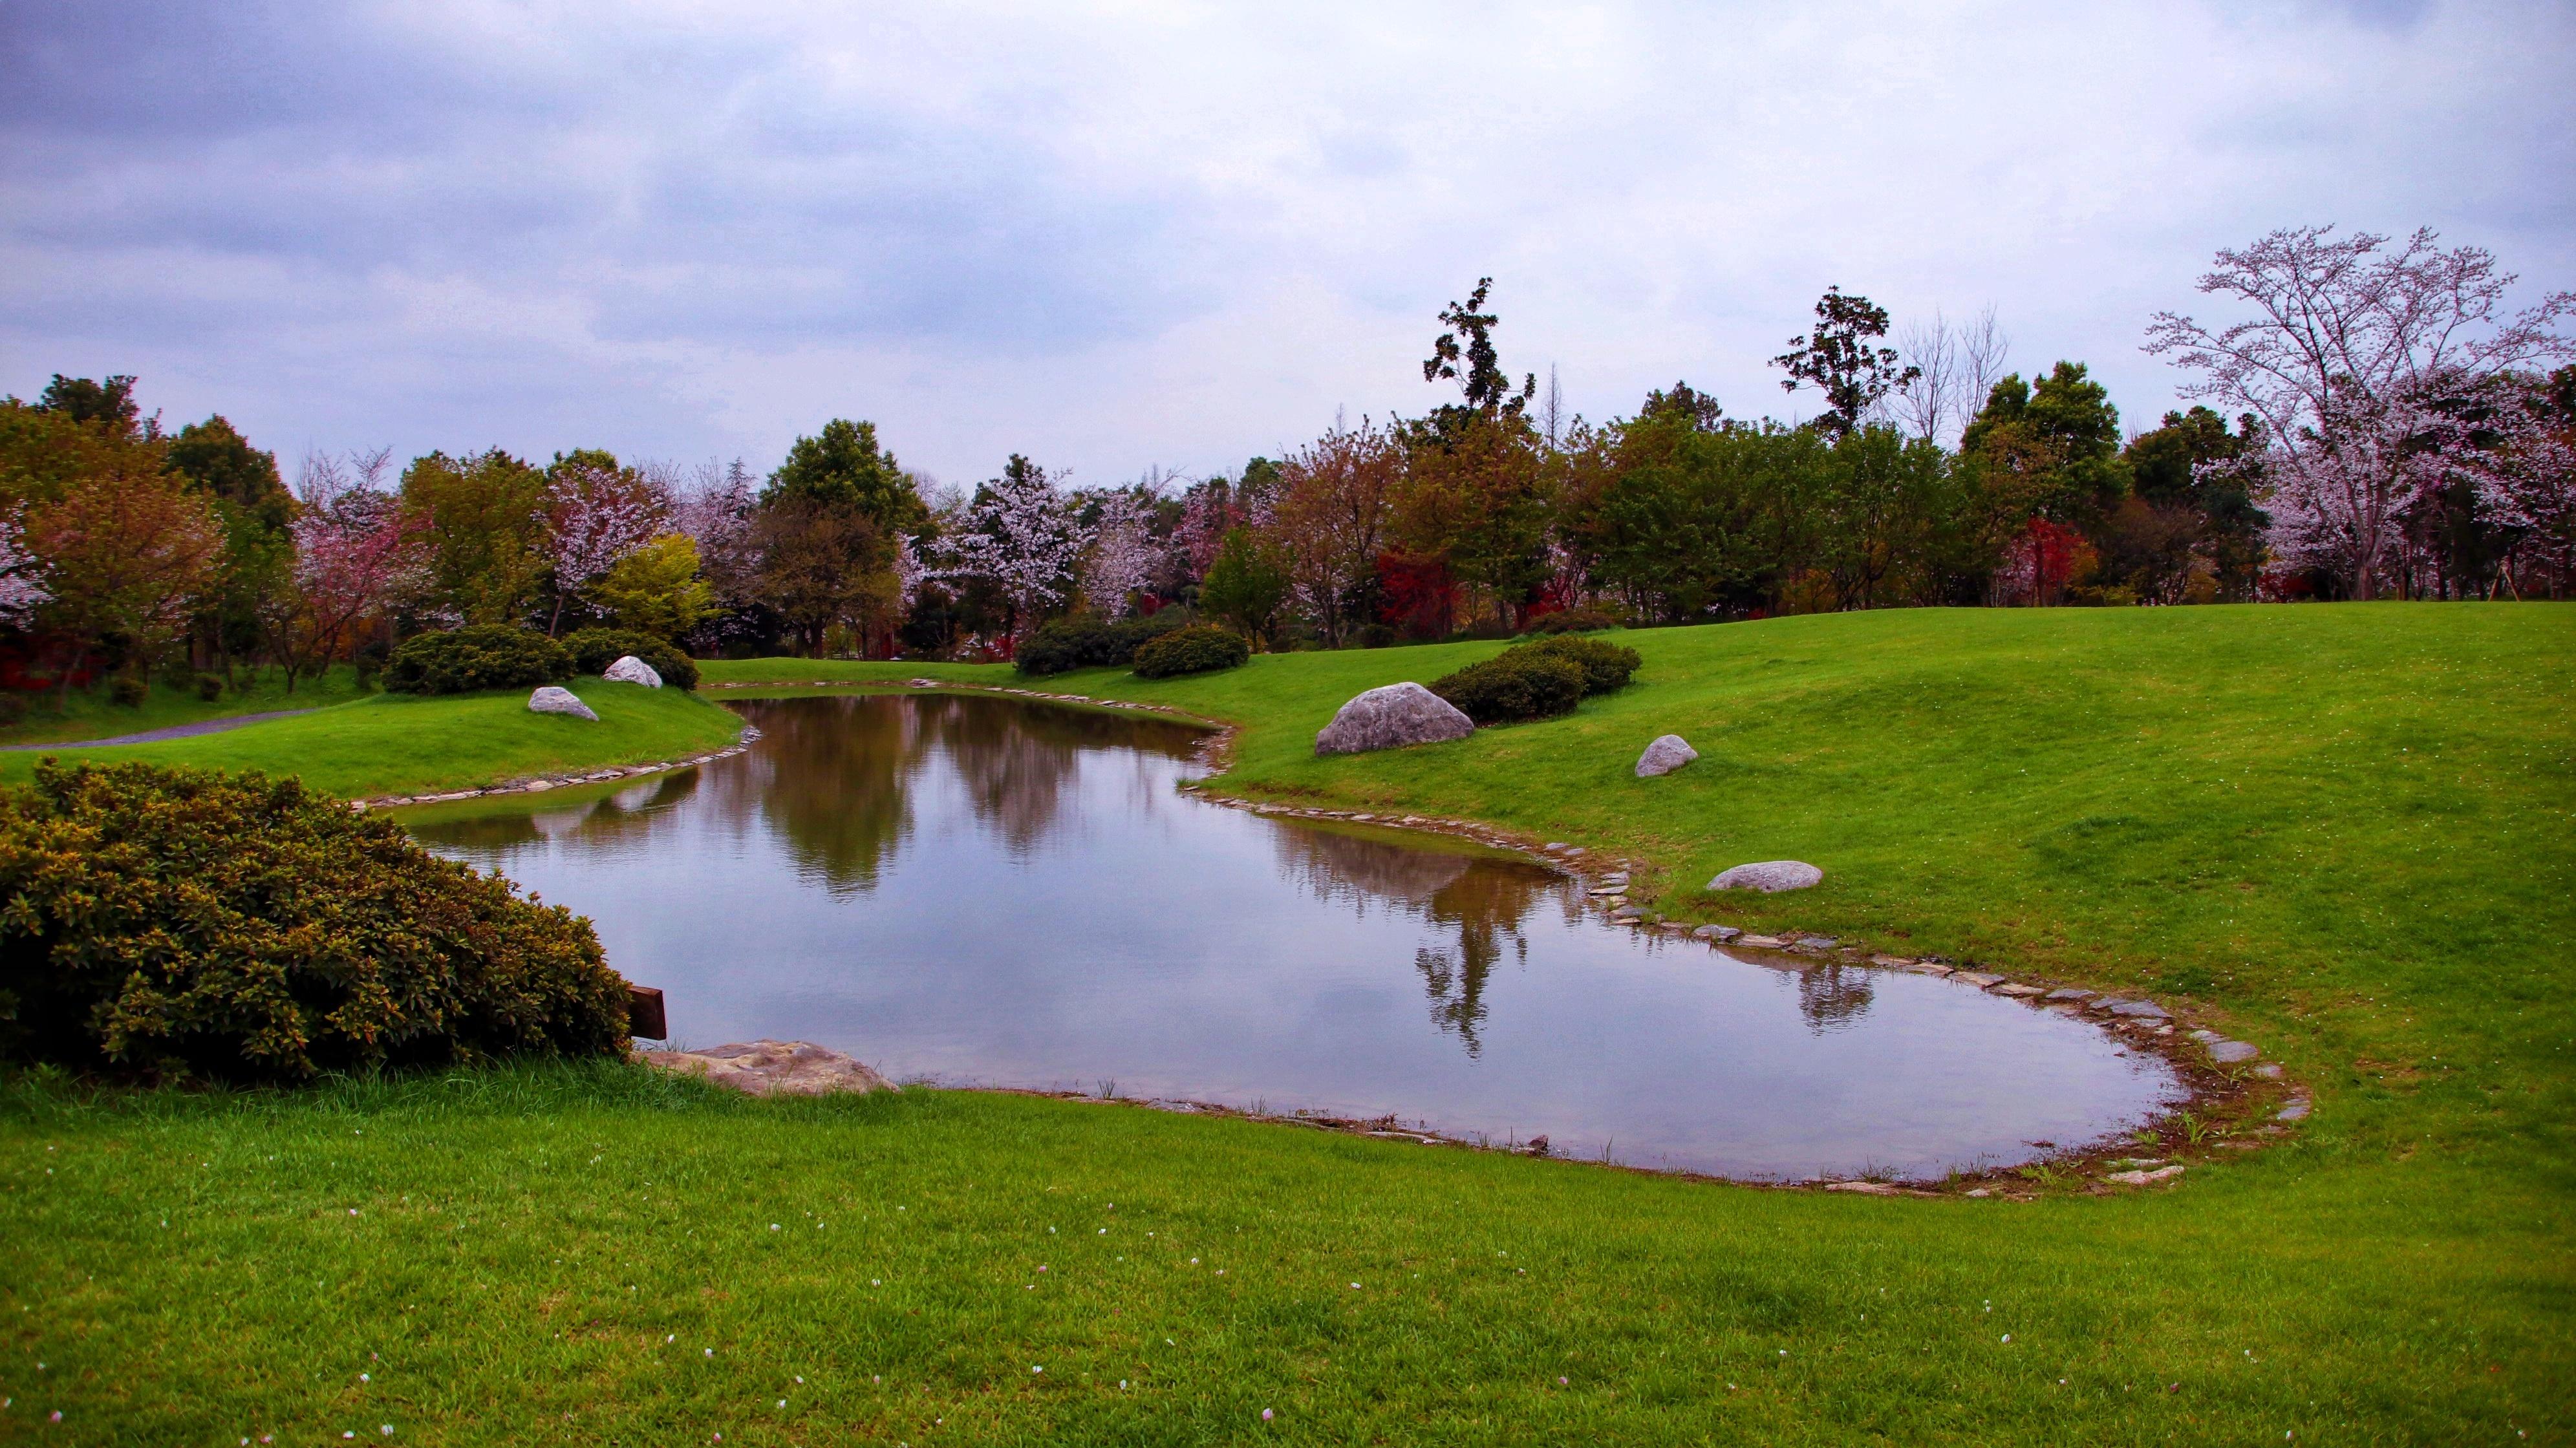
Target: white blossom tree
<point x="1020" y="535"/>
<point x="358" y="555"/>
<point x="595" y="516"/>
<point x="2354" y="361"/>
<point x="1123" y="553"/>
<point x="22" y="587"/>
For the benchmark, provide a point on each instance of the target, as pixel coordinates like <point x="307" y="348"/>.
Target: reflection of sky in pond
<point x="1014" y="894"/>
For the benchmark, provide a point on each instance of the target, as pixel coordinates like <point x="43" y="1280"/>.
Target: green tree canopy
<point x="844" y="466"/>
<point x="215" y="457"/>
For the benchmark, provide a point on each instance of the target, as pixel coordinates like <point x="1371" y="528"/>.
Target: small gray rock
<point x="2148" y="1009"/>
<point x="1978" y="978"/>
<point x="1770" y="877"/>
<point x="1719" y="933"/>
<point x="1664" y="756"/>
<point x="2295" y="1111"/>
<point x="553" y="699"/>
<point x="631" y="670"/>
<point x="2227" y="1053"/>
<point x="2268" y="1072"/>
<point x="1628" y="912"/>
<point x="1391" y="718"/>
<point x="1818" y="942"/>
<point x="2069" y="993"/>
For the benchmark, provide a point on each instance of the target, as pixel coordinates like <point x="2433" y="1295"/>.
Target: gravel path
<point x="175" y="731"/>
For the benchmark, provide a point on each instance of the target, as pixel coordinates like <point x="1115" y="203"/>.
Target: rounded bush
<point x="1089" y="642"/>
<point x="1193" y="650"/>
<point x="1606" y="666"/>
<point x="128" y="693"/>
<point x="488" y="656"/>
<point x="594" y="649"/>
<point x="1513" y="686"/>
<point x="247" y="929"/>
<point x="1572" y="620"/>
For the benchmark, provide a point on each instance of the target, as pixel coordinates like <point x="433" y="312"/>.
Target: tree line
<point x="2382" y="428"/>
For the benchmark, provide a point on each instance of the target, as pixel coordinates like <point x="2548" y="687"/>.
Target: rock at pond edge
<point x="631" y="670"/>
<point x="1392" y="717"/>
<point x="1668" y="753"/>
<point x="774" y="1068"/>
<point x="555" y="699"/>
<point x="1770" y="877"/>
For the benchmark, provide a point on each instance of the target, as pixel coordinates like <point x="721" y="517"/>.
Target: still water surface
<point x="982" y="891"/>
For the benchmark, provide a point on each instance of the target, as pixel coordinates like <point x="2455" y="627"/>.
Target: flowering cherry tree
<point x="358" y="553"/>
<point x="595" y="516"/>
<point x="2355" y="360"/>
<point x="1123" y="553"/>
<point x="22" y="588"/>
<point x="1021" y="536"/>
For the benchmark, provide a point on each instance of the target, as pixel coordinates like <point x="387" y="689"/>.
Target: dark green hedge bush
<point x="488" y="656"/>
<point x="1087" y="642"/>
<point x="1605" y="665"/>
<point x="1514" y="685"/>
<point x="248" y="930"/>
<point x="1572" y="620"/>
<point x="594" y="649"/>
<point x="1193" y="650"/>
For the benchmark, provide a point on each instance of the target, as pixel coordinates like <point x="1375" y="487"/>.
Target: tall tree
<point x="1488" y="388"/>
<point x="1020" y="536"/>
<point x="486" y="535"/>
<point x="843" y="464"/>
<point x="126" y="551"/>
<point x="109" y="404"/>
<point x="1246" y="586"/>
<point x="2352" y="348"/>
<point x="1837" y="359"/>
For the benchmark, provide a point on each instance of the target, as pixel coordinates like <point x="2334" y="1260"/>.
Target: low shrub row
<point x="1537" y="680"/>
<point x="1089" y="643"/>
<point x="502" y="656"/>
<point x="1193" y="650"/>
<point x="243" y="928"/>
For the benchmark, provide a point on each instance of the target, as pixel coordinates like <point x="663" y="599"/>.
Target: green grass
<point x="89" y="713"/>
<point x="2342" y="831"/>
<point x="405" y="744"/>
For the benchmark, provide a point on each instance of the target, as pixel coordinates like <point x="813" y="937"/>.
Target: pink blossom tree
<point x="22" y="587"/>
<point x="358" y="555"/>
<point x="1020" y="535"/>
<point x="2355" y="351"/>
<point x="595" y="516"/>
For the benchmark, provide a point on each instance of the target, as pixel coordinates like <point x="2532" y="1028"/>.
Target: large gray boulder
<point x="1664" y="756"/>
<point x="553" y="699"/>
<point x="1390" y="718"/>
<point x="631" y="670"/>
<point x="1770" y="877"/>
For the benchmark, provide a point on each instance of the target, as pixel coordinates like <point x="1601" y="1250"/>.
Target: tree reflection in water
<point x="625" y="815"/>
<point x="1832" y="996"/>
<point x="1484" y="899"/>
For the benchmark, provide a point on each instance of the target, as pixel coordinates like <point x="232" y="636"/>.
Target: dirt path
<point x="175" y="731"/>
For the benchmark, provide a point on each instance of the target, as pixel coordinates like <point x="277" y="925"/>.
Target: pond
<point x="981" y="891"/>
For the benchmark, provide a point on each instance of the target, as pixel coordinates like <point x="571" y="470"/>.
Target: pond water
<point x="982" y="891"/>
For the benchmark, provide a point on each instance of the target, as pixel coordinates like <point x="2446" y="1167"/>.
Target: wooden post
<point x="644" y="1016"/>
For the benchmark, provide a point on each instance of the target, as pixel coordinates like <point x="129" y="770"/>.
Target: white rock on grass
<point x="1664" y="756"/>
<point x="632" y="670"/>
<point x="1391" y="718"/>
<point x="553" y="699"/>
<point x="1770" y="877"/>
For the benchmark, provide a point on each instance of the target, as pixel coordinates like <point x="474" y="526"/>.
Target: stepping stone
<point x="1817" y="942"/>
<point x="2268" y="1072"/>
<point x="1977" y="978"/>
<point x="2228" y="1053"/>
<point x="2017" y="991"/>
<point x="1891" y="960"/>
<point x="1610" y="890"/>
<point x="1719" y="933"/>
<point x="1762" y="942"/>
<point x="2069" y="993"/>
<point x="2146" y="1009"/>
<point x="2206" y="1036"/>
<point x="1927" y="967"/>
<point x="2295" y="1111"/>
<point x="2146" y="1178"/>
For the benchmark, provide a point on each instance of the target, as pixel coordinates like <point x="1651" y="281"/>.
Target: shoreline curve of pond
<point x="979" y="891"/>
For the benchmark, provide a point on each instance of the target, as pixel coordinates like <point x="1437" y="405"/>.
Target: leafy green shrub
<point x="1089" y="642"/>
<point x="128" y="693"/>
<point x="247" y="929"/>
<point x="210" y="687"/>
<point x="594" y="649"/>
<point x="1605" y="665"/>
<point x="488" y="656"/>
<point x="1193" y="650"/>
<point x="1514" y="685"/>
<point x="1572" y="620"/>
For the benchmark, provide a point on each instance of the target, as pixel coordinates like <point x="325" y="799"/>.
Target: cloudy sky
<point x="1122" y="235"/>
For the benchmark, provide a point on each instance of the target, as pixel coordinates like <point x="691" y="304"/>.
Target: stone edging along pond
<point x="538" y="784"/>
<point x="2231" y="1087"/>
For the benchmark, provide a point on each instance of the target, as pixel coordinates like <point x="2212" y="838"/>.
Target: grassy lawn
<point x="2342" y="831"/>
<point x="404" y="744"/>
<point x="89" y="714"/>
